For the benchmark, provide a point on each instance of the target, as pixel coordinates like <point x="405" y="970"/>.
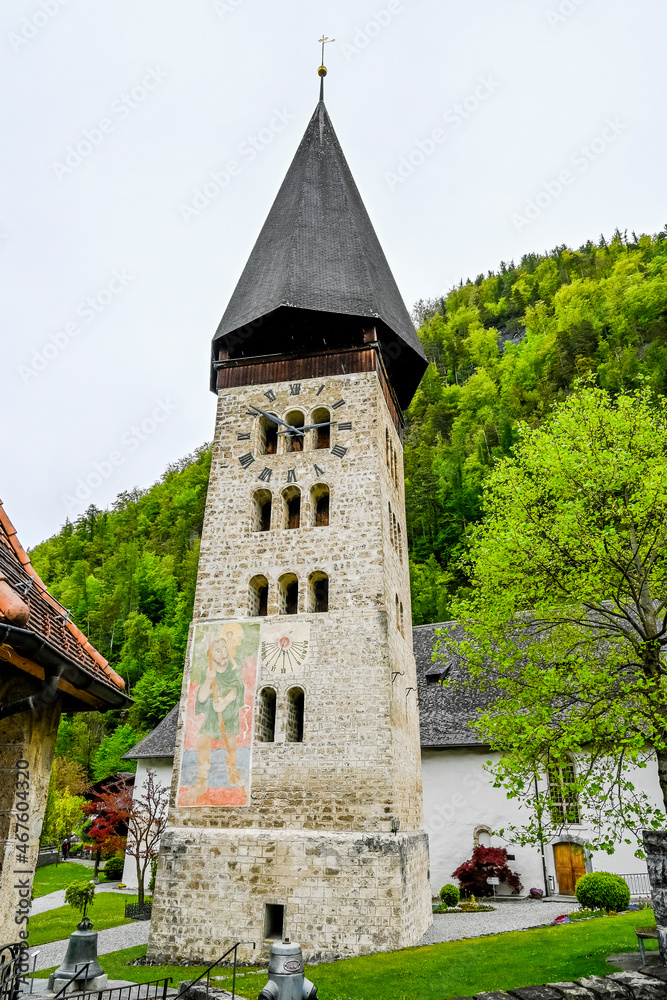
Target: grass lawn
<point x="108" y="910"/>
<point x="440" y="971"/>
<point x="53" y="877"/>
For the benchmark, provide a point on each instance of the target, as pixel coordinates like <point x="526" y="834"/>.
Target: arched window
<point x="319" y="502"/>
<point x="400" y="542"/>
<point x="292" y="507"/>
<point x="294" y="442"/>
<point x="319" y="593"/>
<point x="387" y="446"/>
<point x="268" y="436"/>
<point x="322" y="434"/>
<point x="400" y="617"/>
<point x="261" y="511"/>
<point x="259" y="597"/>
<point x="294" y="721"/>
<point x="563" y="793"/>
<point x="289" y="594"/>
<point x="391" y="524"/>
<point x="482" y="836"/>
<point x="265" y="729"/>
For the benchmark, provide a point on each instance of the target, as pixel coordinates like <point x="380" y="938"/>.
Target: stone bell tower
<point x="296" y="807"/>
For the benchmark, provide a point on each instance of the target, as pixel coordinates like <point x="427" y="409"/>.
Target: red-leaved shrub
<point x="486" y="862"/>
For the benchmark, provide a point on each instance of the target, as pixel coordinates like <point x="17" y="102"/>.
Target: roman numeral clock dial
<point x="260" y="465"/>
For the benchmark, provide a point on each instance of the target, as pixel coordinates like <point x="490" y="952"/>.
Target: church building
<point x="296" y="805"/>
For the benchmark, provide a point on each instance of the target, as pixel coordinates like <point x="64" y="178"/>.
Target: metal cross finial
<point x="322" y="71"/>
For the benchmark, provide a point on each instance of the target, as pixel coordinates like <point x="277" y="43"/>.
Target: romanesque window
<point x="258" y="597"/>
<point x="564" y="796"/>
<point x="399" y="615"/>
<point x="482" y="836"/>
<point x="319" y="593"/>
<point x="321" y="435"/>
<point x="294" y="442"/>
<point x="400" y="542"/>
<point x="289" y="594"/>
<point x="387" y="447"/>
<point x="292" y="507"/>
<point x="319" y="500"/>
<point x="294" y="721"/>
<point x="261" y="511"/>
<point x="265" y="728"/>
<point x="268" y="436"/>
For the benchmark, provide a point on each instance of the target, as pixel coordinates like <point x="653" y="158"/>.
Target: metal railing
<point x="78" y="969"/>
<point x="207" y="973"/>
<point x="156" y="989"/>
<point x="10" y="970"/>
<point x="639" y="885"/>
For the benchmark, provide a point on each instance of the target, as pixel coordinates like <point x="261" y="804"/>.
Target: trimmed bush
<point x="113" y="868"/>
<point x="602" y="891"/>
<point x="450" y="894"/>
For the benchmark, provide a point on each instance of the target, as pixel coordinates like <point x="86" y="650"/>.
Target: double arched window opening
<point x="267" y="715"/>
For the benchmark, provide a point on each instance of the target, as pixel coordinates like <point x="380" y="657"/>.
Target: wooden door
<point x="570" y="866"/>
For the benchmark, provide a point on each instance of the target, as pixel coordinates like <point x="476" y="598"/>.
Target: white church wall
<point x="459" y="797"/>
<point x="162" y="767"/>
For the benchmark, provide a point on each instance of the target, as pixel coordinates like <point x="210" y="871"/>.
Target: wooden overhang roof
<point x="49" y="641"/>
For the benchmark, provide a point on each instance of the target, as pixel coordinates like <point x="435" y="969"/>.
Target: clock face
<point x="273" y="406"/>
<point x="284" y="649"/>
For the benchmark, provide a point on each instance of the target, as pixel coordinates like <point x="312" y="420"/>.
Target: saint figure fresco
<point x="215" y="767"/>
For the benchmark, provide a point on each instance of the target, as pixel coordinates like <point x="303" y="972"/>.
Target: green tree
<point x="63" y="816"/>
<point x="566" y="615"/>
<point x="107" y="760"/>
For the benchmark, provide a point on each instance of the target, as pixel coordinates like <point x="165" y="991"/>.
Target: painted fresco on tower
<point x="215" y="767"/>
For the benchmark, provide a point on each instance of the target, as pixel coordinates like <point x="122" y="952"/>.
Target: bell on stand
<point x="81" y="966"/>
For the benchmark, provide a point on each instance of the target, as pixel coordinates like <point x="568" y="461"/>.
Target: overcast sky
<point x="477" y="130"/>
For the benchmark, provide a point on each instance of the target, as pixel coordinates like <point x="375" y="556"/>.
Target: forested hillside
<point x="502" y="348"/>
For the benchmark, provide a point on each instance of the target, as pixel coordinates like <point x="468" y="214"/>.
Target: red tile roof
<point x="48" y="619"/>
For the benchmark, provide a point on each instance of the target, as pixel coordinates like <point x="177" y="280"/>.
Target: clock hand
<point x="309" y="427"/>
<point x="277" y="420"/>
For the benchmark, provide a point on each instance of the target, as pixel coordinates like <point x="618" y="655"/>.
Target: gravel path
<point x="506" y="917"/>
<point x="112" y="939"/>
<point x="54" y="899"/>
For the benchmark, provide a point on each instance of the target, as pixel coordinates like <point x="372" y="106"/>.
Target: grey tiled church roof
<point x="318" y="250"/>
<point x="444" y="712"/>
<point x="160" y="743"/>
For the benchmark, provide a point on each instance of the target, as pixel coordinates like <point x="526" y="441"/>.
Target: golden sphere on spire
<point x="322" y="71"/>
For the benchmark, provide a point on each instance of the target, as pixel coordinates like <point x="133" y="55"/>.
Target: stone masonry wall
<point x="357" y="773"/>
<point x="26" y="754"/>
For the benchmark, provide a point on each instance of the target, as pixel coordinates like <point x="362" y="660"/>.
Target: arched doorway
<point x="570" y="862"/>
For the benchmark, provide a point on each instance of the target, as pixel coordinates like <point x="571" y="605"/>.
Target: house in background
<point x="47" y="666"/>
<point x="154" y="753"/>
<point x="461" y="806"/>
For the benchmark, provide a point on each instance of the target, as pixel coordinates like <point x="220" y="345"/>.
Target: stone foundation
<point x="344" y="894"/>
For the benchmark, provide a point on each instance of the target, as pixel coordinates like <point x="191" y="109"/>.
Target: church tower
<point x="296" y="808"/>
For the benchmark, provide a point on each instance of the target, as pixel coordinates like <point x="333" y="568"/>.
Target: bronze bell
<point x="82" y="949"/>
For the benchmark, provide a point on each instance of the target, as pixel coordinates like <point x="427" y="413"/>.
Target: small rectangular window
<point x="274" y="918"/>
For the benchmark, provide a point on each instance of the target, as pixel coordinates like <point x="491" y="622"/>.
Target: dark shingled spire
<point x="318" y="252"/>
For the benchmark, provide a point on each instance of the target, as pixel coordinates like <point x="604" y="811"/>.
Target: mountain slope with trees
<point x="502" y="348"/>
<point x="506" y="348"/>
